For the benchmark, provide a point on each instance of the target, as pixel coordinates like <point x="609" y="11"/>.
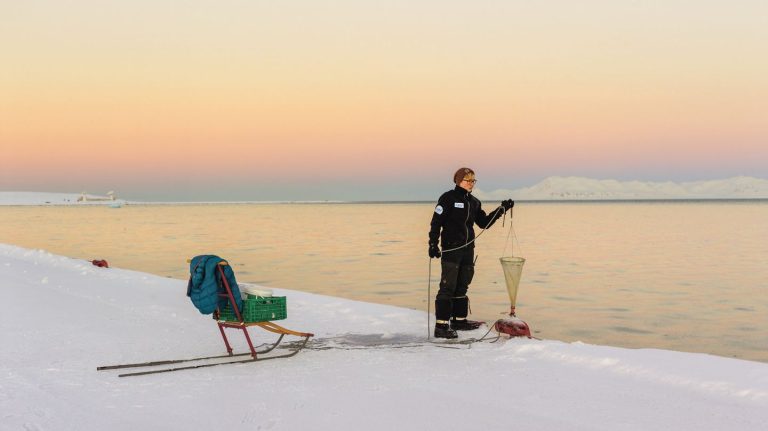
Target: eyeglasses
<point x="470" y="181"/>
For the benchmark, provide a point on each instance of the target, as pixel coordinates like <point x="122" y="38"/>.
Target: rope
<point x="514" y="237"/>
<point x="429" y="297"/>
<point x="511" y="230"/>
<point x="493" y="219"/>
<point x="319" y="343"/>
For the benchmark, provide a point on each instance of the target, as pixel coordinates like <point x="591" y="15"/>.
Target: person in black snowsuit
<point x="452" y="224"/>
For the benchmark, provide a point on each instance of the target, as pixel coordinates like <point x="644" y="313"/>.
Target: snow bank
<point x="368" y="368"/>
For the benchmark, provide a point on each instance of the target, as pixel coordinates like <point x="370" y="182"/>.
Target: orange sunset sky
<point x="374" y="100"/>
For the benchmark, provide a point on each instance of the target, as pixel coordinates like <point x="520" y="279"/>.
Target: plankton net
<point x="513" y="270"/>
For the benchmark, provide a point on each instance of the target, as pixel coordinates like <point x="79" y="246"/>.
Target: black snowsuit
<point x="452" y="223"/>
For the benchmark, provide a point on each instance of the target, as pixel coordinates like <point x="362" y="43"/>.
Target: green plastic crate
<point x="258" y="309"/>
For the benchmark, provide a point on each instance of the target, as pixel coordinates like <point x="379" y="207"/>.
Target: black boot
<point x="442" y="314"/>
<point x="465" y="325"/>
<point x="460" y="309"/>
<point x="442" y="330"/>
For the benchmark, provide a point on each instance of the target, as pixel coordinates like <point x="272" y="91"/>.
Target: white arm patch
<point x="439" y="209"/>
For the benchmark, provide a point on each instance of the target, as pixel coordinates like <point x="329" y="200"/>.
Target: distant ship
<point x="85" y="198"/>
<point x="113" y="202"/>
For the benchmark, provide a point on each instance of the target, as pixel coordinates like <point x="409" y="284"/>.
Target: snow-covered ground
<point x="369" y="367"/>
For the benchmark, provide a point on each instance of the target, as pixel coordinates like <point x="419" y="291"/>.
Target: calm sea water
<point x="688" y="276"/>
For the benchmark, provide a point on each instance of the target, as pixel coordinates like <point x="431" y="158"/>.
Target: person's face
<point x="468" y="183"/>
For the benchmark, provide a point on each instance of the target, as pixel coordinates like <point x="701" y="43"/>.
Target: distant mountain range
<point x="579" y="188"/>
<point x="550" y="189"/>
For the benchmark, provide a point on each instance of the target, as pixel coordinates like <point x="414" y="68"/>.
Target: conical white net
<point x="513" y="269"/>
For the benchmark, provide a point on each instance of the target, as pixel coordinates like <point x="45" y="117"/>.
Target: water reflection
<point x="681" y="276"/>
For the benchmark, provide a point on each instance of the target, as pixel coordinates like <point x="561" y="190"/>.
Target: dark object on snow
<point x="513" y="326"/>
<point x="100" y="263"/>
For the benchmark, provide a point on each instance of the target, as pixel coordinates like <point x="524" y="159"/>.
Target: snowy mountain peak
<point x="580" y="188"/>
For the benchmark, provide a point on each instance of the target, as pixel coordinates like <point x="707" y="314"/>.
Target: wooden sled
<point x="242" y="325"/>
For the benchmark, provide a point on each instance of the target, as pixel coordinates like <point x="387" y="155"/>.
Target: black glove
<point x="507" y="204"/>
<point x="434" y="252"/>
